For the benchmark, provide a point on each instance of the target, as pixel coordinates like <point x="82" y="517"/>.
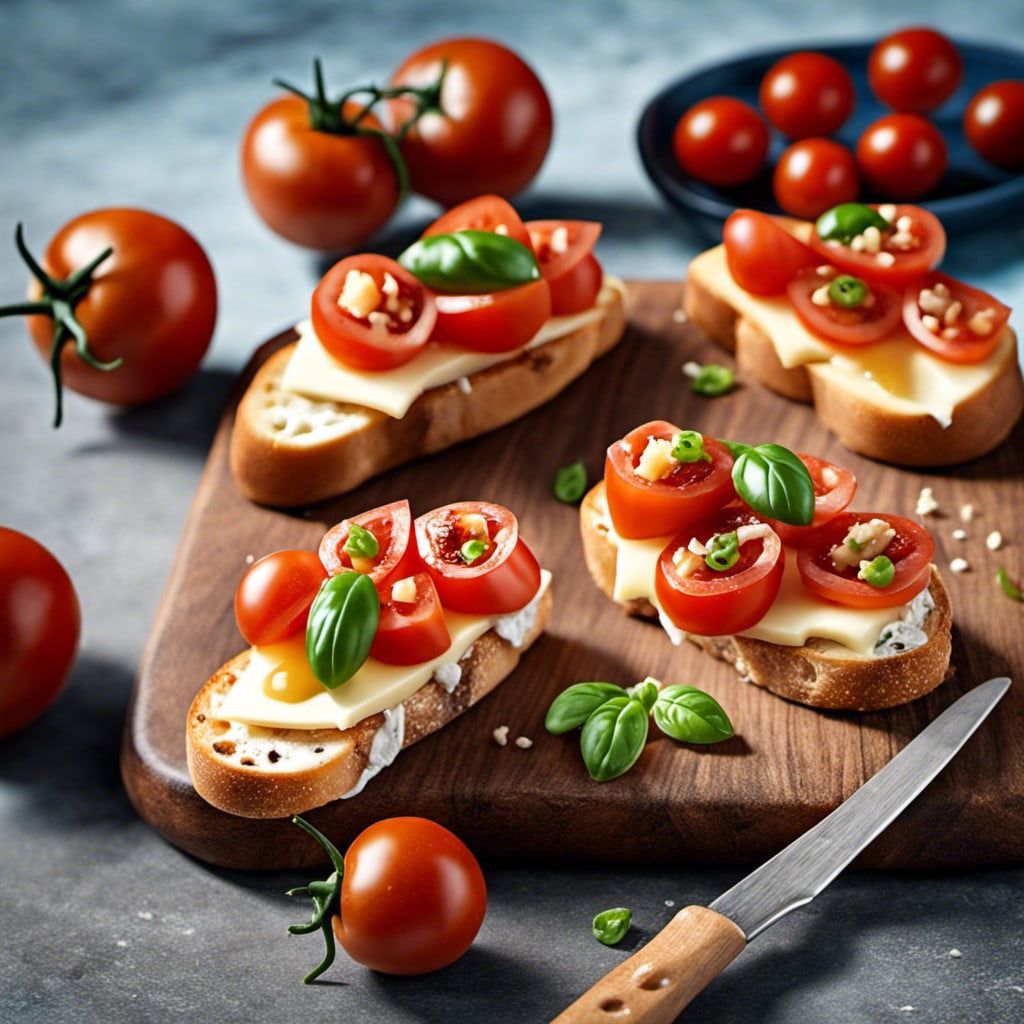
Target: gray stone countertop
<point x="143" y="103"/>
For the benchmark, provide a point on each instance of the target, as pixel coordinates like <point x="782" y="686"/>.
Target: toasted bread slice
<point x="822" y="673"/>
<point x="865" y="417"/>
<point x="256" y="772"/>
<point x="289" y="450"/>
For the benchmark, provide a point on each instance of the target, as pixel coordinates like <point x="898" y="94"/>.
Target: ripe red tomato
<point x="718" y="603"/>
<point x="813" y="175"/>
<point x="960" y="323"/>
<point x="40" y="624"/>
<point x="834" y="488"/>
<point x="152" y="304"/>
<point x="391" y="526"/>
<point x="413" y="897"/>
<point x="564" y="251"/>
<point x="807" y="94"/>
<point x="386" y="336"/>
<point x="721" y="140"/>
<point x="322" y="188"/>
<point x="274" y="596"/>
<point x="911" y="551"/>
<point x="502" y="578"/>
<point x="493" y="321"/>
<point x="761" y="254"/>
<point x="902" y="156"/>
<point x="657" y="508"/>
<point x="915" y="69"/>
<point x="411" y="632"/>
<point x="482" y="213"/>
<point x="994" y="123"/>
<point x="493" y="127"/>
<point x="873" y="318"/>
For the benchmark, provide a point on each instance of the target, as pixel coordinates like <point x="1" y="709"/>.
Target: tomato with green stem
<point x="122" y="306"/>
<point x="40" y="624"/>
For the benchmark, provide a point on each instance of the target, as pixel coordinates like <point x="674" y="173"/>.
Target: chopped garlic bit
<point x="926" y="503"/>
<point x="887" y="211"/>
<point x="820" y="296"/>
<point x="959" y="534"/>
<point x="691" y="369"/>
<point x="524" y="742"/>
<point x="657" y="461"/>
<point x="994" y="541"/>
<point x="679" y="315"/>
<point x="404" y="591"/>
<point x="360" y="295"/>
<point x="966" y="513"/>
<point x="863" y="542"/>
<point x="559" y="242"/>
<point x="955" y="954"/>
<point x="959" y="565"/>
<point x="500" y="735"/>
<point x="687" y="562"/>
<point x="475" y="527"/>
<point x="981" y="322"/>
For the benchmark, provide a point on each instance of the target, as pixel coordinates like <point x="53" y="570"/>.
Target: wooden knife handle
<point x="657" y="981"/>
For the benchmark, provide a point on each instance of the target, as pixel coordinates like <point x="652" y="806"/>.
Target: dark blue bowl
<point x="972" y="194"/>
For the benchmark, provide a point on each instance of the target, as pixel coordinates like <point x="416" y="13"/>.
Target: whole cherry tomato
<point x="316" y="174"/>
<point x="488" y="125"/>
<point x="721" y="140"/>
<point x="761" y="254"/>
<point x="813" y="175"/>
<point x="994" y="123"/>
<point x="274" y="596"/>
<point x="915" y="69"/>
<point x="409" y="893"/>
<point x="39" y="629"/>
<point x="140" y="289"/>
<point x="807" y="94"/>
<point x="902" y="156"/>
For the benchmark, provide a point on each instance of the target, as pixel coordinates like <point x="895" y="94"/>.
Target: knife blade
<point x="657" y="982"/>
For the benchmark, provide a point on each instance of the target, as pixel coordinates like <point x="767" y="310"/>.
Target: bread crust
<point x="822" y="673"/>
<point x="981" y="422"/>
<point x="286" y="472"/>
<point x="218" y="751"/>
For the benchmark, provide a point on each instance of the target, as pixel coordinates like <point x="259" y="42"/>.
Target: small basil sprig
<point x="773" y="481"/>
<point x="610" y="926"/>
<point x="341" y="626"/>
<point x="470" y="262"/>
<point x="615" y="721"/>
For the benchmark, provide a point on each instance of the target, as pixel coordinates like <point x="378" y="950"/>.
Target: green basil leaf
<point x="774" y="482"/>
<point x="573" y="706"/>
<point x="571" y="482"/>
<point x="613" y="737"/>
<point x="341" y="627"/>
<point x="470" y="262"/>
<point x="691" y="716"/>
<point x="847" y="220"/>
<point x="646" y="691"/>
<point x="610" y="926"/>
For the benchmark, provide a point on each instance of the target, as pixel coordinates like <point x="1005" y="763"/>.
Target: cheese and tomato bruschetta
<point x="481" y="320"/>
<point x="753" y="554"/>
<point x="392" y="629"/>
<point x="903" y="363"/>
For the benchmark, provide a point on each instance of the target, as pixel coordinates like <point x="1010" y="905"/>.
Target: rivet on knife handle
<point x="657" y="981"/>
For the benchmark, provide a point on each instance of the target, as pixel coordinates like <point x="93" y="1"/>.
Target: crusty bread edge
<point x="250" y="792"/>
<point x="980" y="422"/>
<point x="272" y="471"/>
<point x="820" y="674"/>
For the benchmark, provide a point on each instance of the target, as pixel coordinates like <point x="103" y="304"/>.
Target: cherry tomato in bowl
<point x="902" y="156"/>
<point x="994" y="123"/>
<point x="146" y="308"/>
<point x="721" y="140"/>
<point x="813" y="175"/>
<point x="40" y="624"/>
<point x="807" y="94"/>
<point x="491" y="125"/>
<point x="915" y="69"/>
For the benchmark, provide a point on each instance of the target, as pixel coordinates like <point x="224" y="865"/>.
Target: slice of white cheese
<point x="312" y="371"/>
<point x="278" y="688"/>
<point x="896" y="371"/>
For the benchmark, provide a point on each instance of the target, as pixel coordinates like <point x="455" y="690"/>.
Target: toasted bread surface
<point x="821" y="673"/>
<point x="288" y="450"/>
<point x="257" y="772"/>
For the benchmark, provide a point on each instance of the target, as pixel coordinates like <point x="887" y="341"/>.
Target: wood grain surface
<point x="737" y="801"/>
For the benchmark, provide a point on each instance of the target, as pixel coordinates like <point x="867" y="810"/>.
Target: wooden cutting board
<point x="736" y="801"/>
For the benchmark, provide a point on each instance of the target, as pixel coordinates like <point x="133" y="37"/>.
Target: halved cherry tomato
<point x="871" y="320"/>
<point x="713" y="602"/>
<point x="503" y="577"/>
<point x="915" y="242"/>
<point x="911" y="551"/>
<point x="274" y="596"/>
<point x="391" y="526"/>
<point x="902" y="156"/>
<point x="834" y="488"/>
<point x="961" y="324"/>
<point x="484" y="213"/>
<point x="410" y="632"/>
<point x="564" y="251"/>
<point x="656" y="508"/>
<point x="762" y="255"/>
<point x="494" y="321"/>
<point x="388" y="335"/>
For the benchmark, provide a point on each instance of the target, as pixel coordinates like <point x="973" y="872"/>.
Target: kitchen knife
<point x="656" y="982"/>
